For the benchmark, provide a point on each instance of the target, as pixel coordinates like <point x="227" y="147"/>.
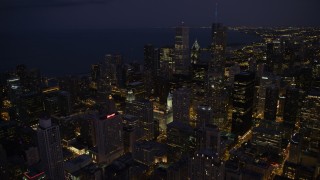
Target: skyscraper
<point x="143" y="109"/>
<point x="181" y="50"/>
<point x="310" y="123"/>
<point x="219" y="41"/>
<point x="204" y="115"/>
<point x="181" y="105"/>
<point x="242" y="99"/>
<point x="272" y="96"/>
<point x="216" y="79"/>
<point x="291" y="106"/>
<point x="109" y="134"/>
<point x="195" y="52"/>
<point x="151" y="58"/>
<point x="261" y="100"/>
<point x="206" y="162"/>
<point x="50" y="149"/>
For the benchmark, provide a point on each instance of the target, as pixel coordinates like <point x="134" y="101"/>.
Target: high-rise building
<point x="219" y="41"/>
<point x="291" y="106"/>
<point x="151" y="58"/>
<point x="108" y="134"/>
<point x="268" y="135"/>
<point x="195" y="53"/>
<point x="206" y="163"/>
<point x="204" y="115"/>
<point x="310" y="123"/>
<point x="260" y="102"/>
<point x="181" y="140"/>
<point x="181" y="105"/>
<point x="166" y="61"/>
<point x="243" y="93"/>
<point x="272" y="96"/>
<point x="130" y="131"/>
<point x="50" y="149"/>
<point x="181" y="50"/>
<point x="143" y="109"/>
<point x="216" y="80"/>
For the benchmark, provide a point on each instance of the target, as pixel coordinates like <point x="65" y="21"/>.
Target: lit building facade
<point x="216" y="80"/>
<point x="109" y="136"/>
<point x="181" y="50"/>
<point x="243" y="93"/>
<point x="143" y="109"/>
<point x="181" y="105"/>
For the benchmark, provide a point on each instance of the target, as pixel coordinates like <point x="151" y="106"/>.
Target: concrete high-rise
<point x="108" y="134"/>
<point x="50" y="149"/>
<point x="181" y="50"/>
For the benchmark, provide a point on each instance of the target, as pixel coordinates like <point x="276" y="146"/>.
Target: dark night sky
<point x="32" y="15"/>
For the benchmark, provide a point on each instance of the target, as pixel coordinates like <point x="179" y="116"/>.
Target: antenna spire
<point x="216" y="14"/>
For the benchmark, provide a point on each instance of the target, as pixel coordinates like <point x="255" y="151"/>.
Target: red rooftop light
<point x="111" y="115"/>
<point x="33" y="177"/>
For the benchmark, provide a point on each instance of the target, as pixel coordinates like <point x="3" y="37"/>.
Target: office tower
<point x="161" y="88"/>
<point x="64" y="102"/>
<point x="148" y="56"/>
<point x="149" y="152"/>
<point x="110" y="69"/>
<point x="291" y="107"/>
<point x="130" y="131"/>
<point x="151" y="66"/>
<point x="143" y="109"/>
<point x="206" y="163"/>
<point x="151" y="59"/>
<point x="195" y="53"/>
<point x="180" y="140"/>
<point x="242" y="99"/>
<point x="108" y="133"/>
<point x="212" y="141"/>
<point x="274" y="57"/>
<point x="58" y="103"/>
<point x="295" y="149"/>
<point x="267" y="136"/>
<point x="31" y="107"/>
<point x="50" y="149"/>
<point x="30" y="79"/>
<point x="271" y="102"/>
<point x="219" y="42"/>
<point x="310" y="123"/>
<point x="167" y="61"/>
<point x="70" y="84"/>
<point x="181" y="105"/>
<point x="95" y="72"/>
<point x="216" y="80"/>
<point x="204" y="115"/>
<point x="261" y="100"/>
<point x="181" y="50"/>
<point x="233" y="70"/>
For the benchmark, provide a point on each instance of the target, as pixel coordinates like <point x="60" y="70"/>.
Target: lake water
<point x="72" y="52"/>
